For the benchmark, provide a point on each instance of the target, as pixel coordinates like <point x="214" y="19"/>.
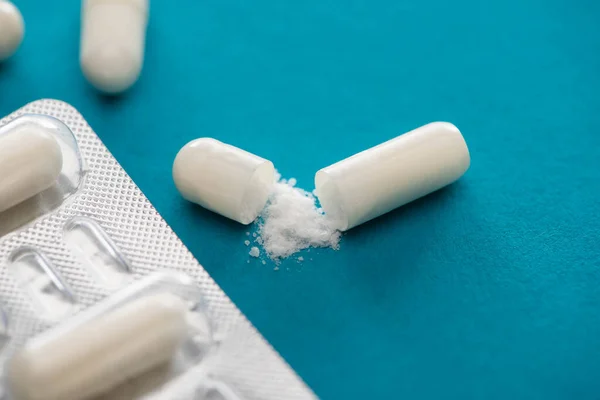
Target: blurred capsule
<point x="112" y="42"/>
<point x="11" y="29"/>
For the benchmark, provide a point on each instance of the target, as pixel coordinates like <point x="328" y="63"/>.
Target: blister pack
<point x="99" y="297"/>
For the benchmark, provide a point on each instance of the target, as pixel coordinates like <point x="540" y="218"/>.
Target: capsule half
<point x="223" y="178"/>
<point x="387" y="176"/>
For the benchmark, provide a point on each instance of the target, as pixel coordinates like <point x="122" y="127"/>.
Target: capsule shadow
<point x="5" y="66"/>
<point x="213" y="219"/>
<point x="395" y="243"/>
<point x="428" y="204"/>
<point x="107" y="100"/>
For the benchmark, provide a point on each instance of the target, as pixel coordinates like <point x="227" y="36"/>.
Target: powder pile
<point x="291" y="221"/>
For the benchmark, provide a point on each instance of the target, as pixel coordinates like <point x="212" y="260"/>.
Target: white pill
<point x="377" y="180"/>
<point x="12" y="29"/>
<point x="223" y="178"/>
<point x="99" y="354"/>
<point x="30" y="162"/>
<point x="112" y="42"/>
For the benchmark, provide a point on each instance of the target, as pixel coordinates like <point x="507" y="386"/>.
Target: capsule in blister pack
<point x="157" y="322"/>
<point x="98" y="297"/>
<point x="40" y="169"/>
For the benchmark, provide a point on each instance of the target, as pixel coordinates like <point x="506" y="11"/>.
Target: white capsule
<point x="99" y="354"/>
<point x="30" y="162"/>
<point x="223" y="178"/>
<point x="12" y="29"/>
<point x="112" y="42"/>
<point x="377" y="180"/>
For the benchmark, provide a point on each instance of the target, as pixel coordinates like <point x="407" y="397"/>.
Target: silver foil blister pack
<point x="91" y="251"/>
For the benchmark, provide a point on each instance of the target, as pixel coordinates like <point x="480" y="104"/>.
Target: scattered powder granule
<point x="247" y="242"/>
<point x="254" y="252"/>
<point x="264" y="262"/>
<point x="247" y="233"/>
<point x="291" y="222"/>
<point x="300" y="259"/>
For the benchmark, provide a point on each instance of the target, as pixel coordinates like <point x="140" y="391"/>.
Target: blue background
<point x="487" y="289"/>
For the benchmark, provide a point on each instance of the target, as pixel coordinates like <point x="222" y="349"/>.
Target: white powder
<point x="254" y="252"/>
<point x="247" y="242"/>
<point x="291" y="222"/>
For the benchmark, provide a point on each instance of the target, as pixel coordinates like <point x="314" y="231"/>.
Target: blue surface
<point x="488" y="289"/>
